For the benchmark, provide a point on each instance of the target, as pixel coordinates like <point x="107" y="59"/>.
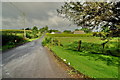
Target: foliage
<point x="30" y="35"/>
<point x="12" y="38"/>
<point x="10" y="41"/>
<point x="77" y="29"/>
<point x="67" y="31"/>
<point x="86" y="30"/>
<point x="95" y="48"/>
<point x="100" y="34"/>
<point x="46" y="41"/>
<point x="44" y="29"/>
<point x="92" y="60"/>
<point x="34" y="34"/>
<point x="35" y="30"/>
<point x="92" y="65"/>
<point x="92" y="14"/>
<point x="28" y="29"/>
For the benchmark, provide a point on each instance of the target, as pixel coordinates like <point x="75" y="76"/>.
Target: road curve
<point x="31" y="60"/>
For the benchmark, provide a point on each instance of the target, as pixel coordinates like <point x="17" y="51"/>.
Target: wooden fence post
<point x="79" y="45"/>
<point x="103" y="45"/>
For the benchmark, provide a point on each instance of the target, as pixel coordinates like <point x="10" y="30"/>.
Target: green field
<point x="69" y="35"/>
<point x="95" y="65"/>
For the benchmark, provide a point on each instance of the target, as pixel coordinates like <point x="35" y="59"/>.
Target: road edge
<point x="68" y="67"/>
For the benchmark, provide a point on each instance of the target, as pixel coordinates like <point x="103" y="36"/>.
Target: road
<point x="31" y="60"/>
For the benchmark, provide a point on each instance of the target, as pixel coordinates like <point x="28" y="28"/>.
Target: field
<point x="92" y="60"/>
<point x="12" y="38"/>
<point x="69" y="35"/>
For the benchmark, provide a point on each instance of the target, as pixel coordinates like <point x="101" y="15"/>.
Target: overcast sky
<point x="37" y="13"/>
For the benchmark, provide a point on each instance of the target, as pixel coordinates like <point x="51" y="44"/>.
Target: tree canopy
<point x="35" y="28"/>
<point x="92" y="14"/>
<point x="44" y="29"/>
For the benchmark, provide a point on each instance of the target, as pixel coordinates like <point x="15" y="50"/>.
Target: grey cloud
<point x="36" y="10"/>
<point x="37" y="13"/>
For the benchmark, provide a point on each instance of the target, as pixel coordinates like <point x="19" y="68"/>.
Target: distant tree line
<point x="35" y="32"/>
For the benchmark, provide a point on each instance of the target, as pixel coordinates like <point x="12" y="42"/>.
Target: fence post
<point x="79" y="45"/>
<point x="103" y="45"/>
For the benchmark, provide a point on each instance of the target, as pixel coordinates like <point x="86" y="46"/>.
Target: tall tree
<point x="35" y="31"/>
<point x="92" y="14"/>
<point x="35" y="28"/>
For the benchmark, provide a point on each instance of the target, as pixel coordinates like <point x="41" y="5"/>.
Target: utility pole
<point x="24" y="24"/>
<point x="24" y="17"/>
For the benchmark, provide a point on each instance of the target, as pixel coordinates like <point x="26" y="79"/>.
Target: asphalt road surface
<point x="31" y="60"/>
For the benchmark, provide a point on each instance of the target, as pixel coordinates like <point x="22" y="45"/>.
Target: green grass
<point x="32" y="39"/>
<point x="87" y="65"/>
<point x="69" y="35"/>
<point x="92" y="65"/>
<point x="84" y="39"/>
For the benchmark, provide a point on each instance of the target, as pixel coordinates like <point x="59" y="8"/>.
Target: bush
<point x="11" y="39"/>
<point x="28" y="35"/>
<point x="99" y="34"/>
<point x="46" y="41"/>
<point x="95" y="48"/>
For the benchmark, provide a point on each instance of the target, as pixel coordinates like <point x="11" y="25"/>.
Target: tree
<point x="35" y="31"/>
<point x="35" y="28"/>
<point x="41" y="30"/>
<point x="92" y="14"/>
<point x="67" y="31"/>
<point x="46" y="28"/>
<point x="27" y="29"/>
<point x="86" y="30"/>
<point x="76" y="29"/>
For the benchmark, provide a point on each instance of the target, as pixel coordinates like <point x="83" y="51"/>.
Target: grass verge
<point x="88" y="65"/>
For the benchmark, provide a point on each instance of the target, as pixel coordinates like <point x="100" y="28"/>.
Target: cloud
<point x="11" y="22"/>
<point x="39" y="14"/>
<point x="53" y="20"/>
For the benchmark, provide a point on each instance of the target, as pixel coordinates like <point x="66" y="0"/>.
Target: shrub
<point x="11" y="39"/>
<point x="95" y="48"/>
<point x="46" y="41"/>
<point x="29" y="35"/>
